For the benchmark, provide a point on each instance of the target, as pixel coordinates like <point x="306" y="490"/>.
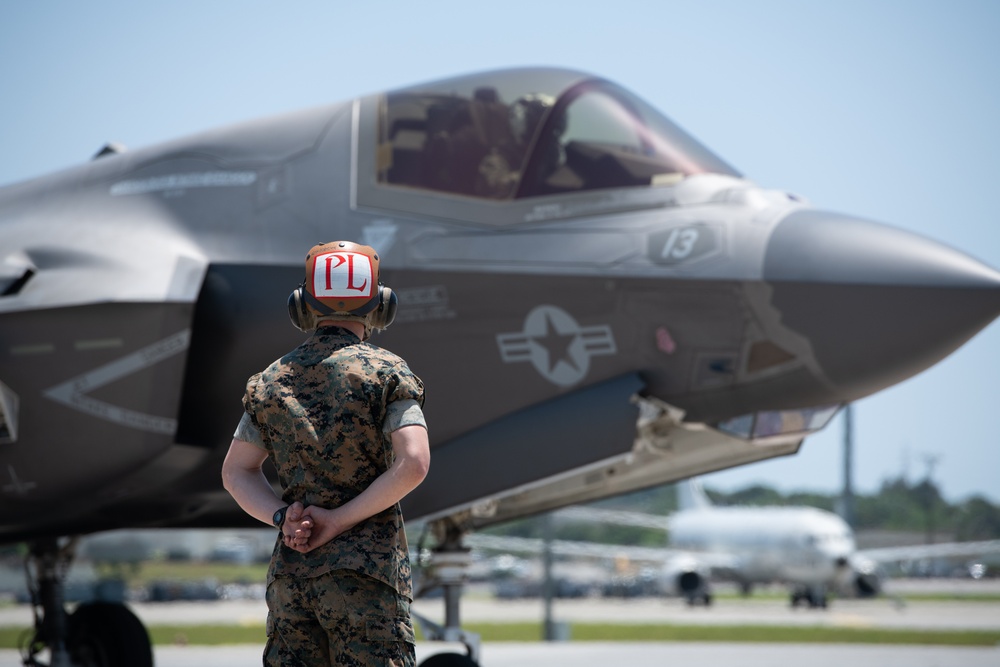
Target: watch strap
<point x="279" y="517"/>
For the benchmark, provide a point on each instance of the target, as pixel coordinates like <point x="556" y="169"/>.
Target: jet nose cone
<point x="878" y="304"/>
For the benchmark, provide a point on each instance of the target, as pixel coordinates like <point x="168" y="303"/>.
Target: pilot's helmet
<point x="526" y="113"/>
<point x="342" y="282"/>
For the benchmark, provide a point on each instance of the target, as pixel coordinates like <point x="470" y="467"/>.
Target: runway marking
<point x="73" y="392"/>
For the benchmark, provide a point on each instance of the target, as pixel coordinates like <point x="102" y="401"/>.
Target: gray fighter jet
<point x="595" y="301"/>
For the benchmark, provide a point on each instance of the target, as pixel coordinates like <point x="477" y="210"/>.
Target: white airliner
<point x="810" y="550"/>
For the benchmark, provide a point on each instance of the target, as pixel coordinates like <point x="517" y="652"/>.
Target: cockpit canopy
<point x="526" y="133"/>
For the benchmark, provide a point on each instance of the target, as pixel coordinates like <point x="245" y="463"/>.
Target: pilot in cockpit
<point x="502" y="166"/>
<point x="527" y="118"/>
<point x="484" y="147"/>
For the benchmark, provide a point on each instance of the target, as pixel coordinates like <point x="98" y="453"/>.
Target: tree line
<point x="898" y="505"/>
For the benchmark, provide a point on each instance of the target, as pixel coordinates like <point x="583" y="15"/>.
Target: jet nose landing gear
<point x="448" y="569"/>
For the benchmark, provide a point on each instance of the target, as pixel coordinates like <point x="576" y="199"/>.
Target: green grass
<point x="207" y="635"/>
<point x="224" y="573"/>
<point x="608" y="632"/>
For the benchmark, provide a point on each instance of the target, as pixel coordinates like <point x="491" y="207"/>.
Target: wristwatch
<point x="279" y="517"/>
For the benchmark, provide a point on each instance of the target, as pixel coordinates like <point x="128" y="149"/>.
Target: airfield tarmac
<point x="602" y="654"/>
<point x="882" y="612"/>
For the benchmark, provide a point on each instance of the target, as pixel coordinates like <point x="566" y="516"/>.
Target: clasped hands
<point x="306" y="528"/>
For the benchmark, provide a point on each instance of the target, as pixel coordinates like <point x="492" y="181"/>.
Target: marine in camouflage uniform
<point x="325" y="415"/>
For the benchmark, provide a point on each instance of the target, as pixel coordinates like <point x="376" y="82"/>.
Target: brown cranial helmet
<point x="342" y="277"/>
<point x="342" y="282"/>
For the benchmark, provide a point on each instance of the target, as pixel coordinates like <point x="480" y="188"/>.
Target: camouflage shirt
<point x="320" y="410"/>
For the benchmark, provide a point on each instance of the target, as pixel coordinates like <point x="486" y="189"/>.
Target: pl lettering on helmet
<point x="343" y="275"/>
<point x="342" y="282"/>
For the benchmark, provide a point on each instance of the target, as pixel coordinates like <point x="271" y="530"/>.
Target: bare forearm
<point x="388" y="489"/>
<point x="244" y="479"/>
<point x="254" y="495"/>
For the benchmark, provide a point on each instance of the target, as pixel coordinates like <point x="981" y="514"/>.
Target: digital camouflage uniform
<point x="319" y="411"/>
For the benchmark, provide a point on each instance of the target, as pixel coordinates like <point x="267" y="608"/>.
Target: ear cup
<point x="297" y="309"/>
<point x="386" y="311"/>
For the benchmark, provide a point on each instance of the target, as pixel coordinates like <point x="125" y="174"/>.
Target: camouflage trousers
<point x="338" y="618"/>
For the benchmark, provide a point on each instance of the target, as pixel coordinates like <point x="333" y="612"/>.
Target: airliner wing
<point x="669" y="558"/>
<point x="943" y="550"/>
<point x="531" y="545"/>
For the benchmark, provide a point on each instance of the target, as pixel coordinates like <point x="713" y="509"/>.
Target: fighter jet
<point x="595" y="301"/>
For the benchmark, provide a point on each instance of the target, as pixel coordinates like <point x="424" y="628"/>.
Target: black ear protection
<point x="385" y="313"/>
<point x="297" y="309"/>
<point x="381" y="316"/>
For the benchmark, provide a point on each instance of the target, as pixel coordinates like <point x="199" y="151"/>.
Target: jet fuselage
<point x="547" y="273"/>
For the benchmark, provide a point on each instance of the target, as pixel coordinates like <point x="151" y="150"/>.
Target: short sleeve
<point x="404" y="385"/>
<point x="247" y="431"/>
<point x="403" y="413"/>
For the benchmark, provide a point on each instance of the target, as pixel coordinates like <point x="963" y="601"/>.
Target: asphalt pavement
<point x="882" y="612"/>
<point x="602" y="654"/>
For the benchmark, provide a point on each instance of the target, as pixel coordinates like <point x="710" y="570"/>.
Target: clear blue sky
<point x="887" y="110"/>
